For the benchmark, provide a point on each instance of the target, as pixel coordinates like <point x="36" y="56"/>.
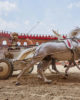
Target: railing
<point x="24" y="36"/>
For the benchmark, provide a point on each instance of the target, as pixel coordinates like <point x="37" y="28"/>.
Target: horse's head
<point x="75" y="33"/>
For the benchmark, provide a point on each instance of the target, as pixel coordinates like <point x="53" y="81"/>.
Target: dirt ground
<point x="33" y="88"/>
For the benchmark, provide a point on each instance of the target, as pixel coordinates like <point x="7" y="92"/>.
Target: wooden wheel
<point x="6" y="68"/>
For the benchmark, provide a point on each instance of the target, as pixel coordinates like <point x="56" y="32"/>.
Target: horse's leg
<point x="41" y="70"/>
<point x="70" y="62"/>
<point x="54" y="66"/>
<point x="34" y="61"/>
<point x="39" y="67"/>
<point x="67" y="68"/>
<point x="76" y="65"/>
<point x="43" y="65"/>
<point x="41" y="73"/>
<point x="66" y="71"/>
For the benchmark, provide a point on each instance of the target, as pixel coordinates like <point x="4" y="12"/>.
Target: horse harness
<point x="70" y="46"/>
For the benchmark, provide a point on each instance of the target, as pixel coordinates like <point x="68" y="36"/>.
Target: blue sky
<point x="39" y="16"/>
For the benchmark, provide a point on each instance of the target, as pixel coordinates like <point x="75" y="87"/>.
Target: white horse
<point x="55" y="50"/>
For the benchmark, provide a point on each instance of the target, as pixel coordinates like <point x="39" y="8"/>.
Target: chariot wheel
<point x="6" y="69"/>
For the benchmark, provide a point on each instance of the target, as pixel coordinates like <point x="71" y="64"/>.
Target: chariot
<point x="10" y="64"/>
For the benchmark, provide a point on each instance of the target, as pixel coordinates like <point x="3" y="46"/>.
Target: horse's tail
<point x="25" y="53"/>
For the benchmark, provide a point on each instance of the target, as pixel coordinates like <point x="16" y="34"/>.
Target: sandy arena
<point x="33" y="88"/>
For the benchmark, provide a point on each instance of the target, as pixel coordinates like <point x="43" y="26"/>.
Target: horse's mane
<point x="75" y="32"/>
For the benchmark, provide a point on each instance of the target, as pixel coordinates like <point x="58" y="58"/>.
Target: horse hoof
<point x="39" y="77"/>
<point x="18" y="83"/>
<point x="48" y="81"/>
